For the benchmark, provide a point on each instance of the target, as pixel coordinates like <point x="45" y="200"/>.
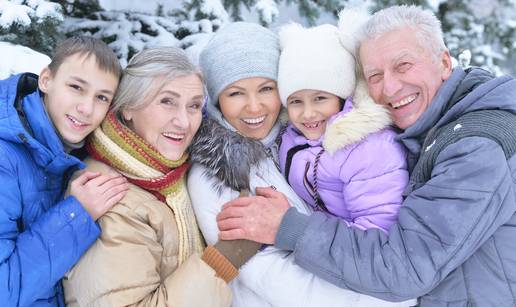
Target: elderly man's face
<point x="402" y="75"/>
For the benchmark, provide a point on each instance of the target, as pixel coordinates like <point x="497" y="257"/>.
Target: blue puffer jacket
<point x="42" y="235"/>
<point x="455" y="240"/>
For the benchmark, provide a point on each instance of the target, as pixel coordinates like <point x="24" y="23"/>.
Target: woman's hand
<point x="98" y="192"/>
<point x="256" y="218"/>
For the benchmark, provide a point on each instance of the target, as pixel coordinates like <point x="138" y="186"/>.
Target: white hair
<point x="146" y="74"/>
<point x="428" y="28"/>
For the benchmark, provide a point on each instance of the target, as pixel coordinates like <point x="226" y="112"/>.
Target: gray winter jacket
<point x="455" y="241"/>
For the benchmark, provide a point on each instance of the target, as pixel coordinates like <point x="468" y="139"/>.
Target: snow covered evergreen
<point x="31" y="23"/>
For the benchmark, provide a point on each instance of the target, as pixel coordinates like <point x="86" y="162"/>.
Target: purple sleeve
<point x="375" y="175"/>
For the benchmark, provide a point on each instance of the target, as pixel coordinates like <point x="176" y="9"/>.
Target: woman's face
<point x="170" y="120"/>
<point x="251" y="105"/>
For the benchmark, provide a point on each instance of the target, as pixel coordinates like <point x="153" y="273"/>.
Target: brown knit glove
<point x="226" y="257"/>
<point x="223" y="268"/>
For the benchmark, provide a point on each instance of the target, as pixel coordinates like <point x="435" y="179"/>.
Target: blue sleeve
<point x="441" y="224"/>
<point x="33" y="261"/>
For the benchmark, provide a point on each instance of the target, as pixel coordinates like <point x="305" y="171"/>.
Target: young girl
<point x="338" y="152"/>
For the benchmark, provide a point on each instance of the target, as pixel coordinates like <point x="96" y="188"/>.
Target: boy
<point x="42" y="235"/>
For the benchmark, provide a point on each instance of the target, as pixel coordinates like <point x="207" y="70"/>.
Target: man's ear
<point x="44" y="80"/>
<point x="446" y="65"/>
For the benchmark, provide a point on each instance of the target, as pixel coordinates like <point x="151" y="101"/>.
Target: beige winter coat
<point x="135" y="260"/>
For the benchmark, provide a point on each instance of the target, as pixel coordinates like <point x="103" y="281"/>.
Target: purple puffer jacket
<point x="363" y="180"/>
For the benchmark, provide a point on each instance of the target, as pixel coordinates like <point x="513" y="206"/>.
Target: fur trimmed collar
<point x="365" y="118"/>
<point x="226" y="155"/>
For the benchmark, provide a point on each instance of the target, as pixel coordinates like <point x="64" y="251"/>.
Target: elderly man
<point x="455" y="241"/>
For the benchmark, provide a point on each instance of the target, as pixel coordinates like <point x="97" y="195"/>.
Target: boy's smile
<point x="77" y="96"/>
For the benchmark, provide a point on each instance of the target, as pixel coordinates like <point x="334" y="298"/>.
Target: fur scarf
<point x="226" y="155"/>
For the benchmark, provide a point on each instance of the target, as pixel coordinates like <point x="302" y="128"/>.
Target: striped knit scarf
<point x="119" y="147"/>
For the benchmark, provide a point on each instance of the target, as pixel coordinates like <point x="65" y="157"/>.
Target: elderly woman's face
<point x="170" y="120"/>
<point x="251" y="106"/>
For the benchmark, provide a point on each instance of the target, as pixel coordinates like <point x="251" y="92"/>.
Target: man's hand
<point x="97" y="193"/>
<point x="255" y="218"/>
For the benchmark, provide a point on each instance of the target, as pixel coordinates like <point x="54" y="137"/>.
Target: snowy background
<point x="29" y="29"/>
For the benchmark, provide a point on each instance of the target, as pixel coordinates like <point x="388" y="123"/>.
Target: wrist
<point x="222" y="266"/>
<point x="291" y="229"/>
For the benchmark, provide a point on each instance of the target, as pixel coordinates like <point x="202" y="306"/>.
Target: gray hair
<point x="428" y="28"/>
<point x="147" y="73"/>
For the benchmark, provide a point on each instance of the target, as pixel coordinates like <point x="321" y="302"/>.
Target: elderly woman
<point x="149" y="250"/>
<point x="236" y="151"/>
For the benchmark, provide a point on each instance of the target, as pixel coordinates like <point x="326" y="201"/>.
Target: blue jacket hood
<point x="24" y="120"/>
<point x="10" y="123"/>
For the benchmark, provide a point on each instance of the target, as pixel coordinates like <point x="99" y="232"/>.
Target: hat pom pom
<point x="351" y="22"/>
<point x="292" y="32"/>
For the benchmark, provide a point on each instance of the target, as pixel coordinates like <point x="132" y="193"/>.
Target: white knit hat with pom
<point x="314" y="58"/>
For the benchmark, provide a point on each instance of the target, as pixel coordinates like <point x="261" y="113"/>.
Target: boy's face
<point x="77" y="96"/>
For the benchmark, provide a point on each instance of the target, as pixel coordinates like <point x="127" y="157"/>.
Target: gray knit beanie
<point x="239" y="50"/>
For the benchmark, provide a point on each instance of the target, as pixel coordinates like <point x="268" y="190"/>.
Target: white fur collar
<point x="365" y="118"/>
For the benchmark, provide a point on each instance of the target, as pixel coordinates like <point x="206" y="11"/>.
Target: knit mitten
<point x="226" y="257"/>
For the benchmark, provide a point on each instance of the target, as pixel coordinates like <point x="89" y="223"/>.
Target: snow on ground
<point x="16" y="59"/>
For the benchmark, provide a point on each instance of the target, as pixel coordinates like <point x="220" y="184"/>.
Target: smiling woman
<point x="251" y="106"/>
<point x="171" y="119"/>
<point x="235" y="150"/>
<point x="150" y="247"/>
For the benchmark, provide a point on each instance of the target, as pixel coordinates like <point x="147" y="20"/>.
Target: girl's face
<point x="309" y="110"/>
<point x="251" y="105"/>
<point x="170" y="120"/>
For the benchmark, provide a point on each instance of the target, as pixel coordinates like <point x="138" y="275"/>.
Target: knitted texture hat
<point x="314" y="58"/>
<point x="351" y="25"/>
<point x="239" y="50"/>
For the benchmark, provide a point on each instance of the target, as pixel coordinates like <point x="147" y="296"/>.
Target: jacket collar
<point x="364" y="118"/>
<point x="226" y="155"/>
<point x="28" y="124"/>
<point x="359" y="117"/>
<point x="464" y="91"/>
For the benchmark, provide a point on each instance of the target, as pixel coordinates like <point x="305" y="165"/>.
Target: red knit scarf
<point x="136" y="147"/>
